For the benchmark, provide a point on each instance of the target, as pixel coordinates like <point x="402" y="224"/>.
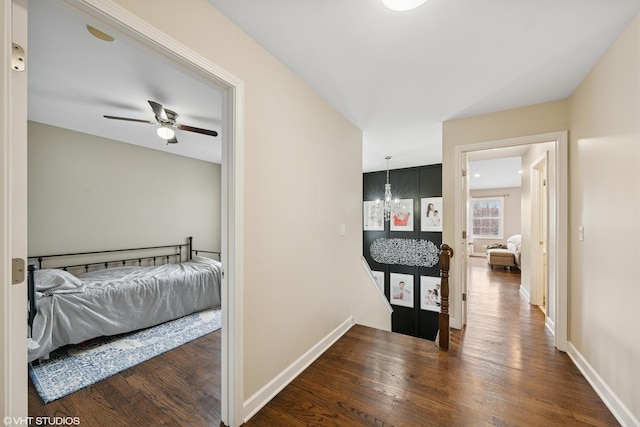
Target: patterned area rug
<point x="72" y="368"/>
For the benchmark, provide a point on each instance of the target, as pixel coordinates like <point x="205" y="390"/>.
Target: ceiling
<point x="395" y="75"/>
<point x="75" y="78"/>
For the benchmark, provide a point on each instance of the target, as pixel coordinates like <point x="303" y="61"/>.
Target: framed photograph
<point x="373" y="216"/>
<point x="430" y="293"/>
<point x="402" y="290"/>
<point x="402" y="215"/>
<point x="379" y="276"/>
<point x="431" y="214"/>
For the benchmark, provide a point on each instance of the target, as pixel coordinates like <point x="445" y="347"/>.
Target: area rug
<point x="72" y="368"/>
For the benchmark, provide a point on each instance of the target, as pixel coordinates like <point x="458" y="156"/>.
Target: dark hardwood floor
<point x="177" y="388"/>
<point x="501" y="370"/>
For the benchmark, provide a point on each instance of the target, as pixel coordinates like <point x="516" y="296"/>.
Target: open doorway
<point x="555" y="227"/>
<point x="230" y="88"/>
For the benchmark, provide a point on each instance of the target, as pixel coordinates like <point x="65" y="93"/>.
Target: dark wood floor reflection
<point x="501" y="370"/>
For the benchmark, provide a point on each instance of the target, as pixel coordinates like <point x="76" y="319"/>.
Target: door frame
<point x="232" y="195"/>
<point x="557" y="226"/>
<point x="538" y="175"/>
<point x="13" y="231"/>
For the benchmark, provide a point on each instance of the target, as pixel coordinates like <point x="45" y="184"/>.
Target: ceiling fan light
<point x="165" y="132"/>
<point x="402" y="5"/>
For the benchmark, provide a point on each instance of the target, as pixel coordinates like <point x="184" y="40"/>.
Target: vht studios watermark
<point x="41" y="421"/>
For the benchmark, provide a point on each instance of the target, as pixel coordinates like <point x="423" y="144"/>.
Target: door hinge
<point x="18" y="58"/>
<point x="464" y="297"/>
<point x="464" y="234"/>
<point x="464" y="172"/>
<point x="17" y="271"/>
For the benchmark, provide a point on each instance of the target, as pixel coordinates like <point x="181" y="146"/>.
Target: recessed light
<point x="477" y="175"/>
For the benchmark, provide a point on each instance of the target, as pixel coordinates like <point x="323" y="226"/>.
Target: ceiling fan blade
<point x="129" y="120"/>
<point x="197" y="130"/>
<point x="158" y="110"/>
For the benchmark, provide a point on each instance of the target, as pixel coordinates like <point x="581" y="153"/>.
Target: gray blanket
<point x="119" y="300"/>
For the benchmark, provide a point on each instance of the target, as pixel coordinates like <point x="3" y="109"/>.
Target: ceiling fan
<point x="167" y="120"/>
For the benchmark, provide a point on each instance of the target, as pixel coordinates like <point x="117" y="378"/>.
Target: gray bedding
<point x="118" y="300"/>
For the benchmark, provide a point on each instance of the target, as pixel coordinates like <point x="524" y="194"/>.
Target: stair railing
<point x="443" y="321"/>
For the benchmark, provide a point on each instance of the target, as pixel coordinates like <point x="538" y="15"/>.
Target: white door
<point x="13" y="231"/>
<point x="464" y="252"/>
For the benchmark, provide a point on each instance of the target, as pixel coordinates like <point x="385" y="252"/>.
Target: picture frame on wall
<point x="379" y="276"/>
<point x="430" y="293"/>
<point x="402" y="215"/>
<point x="401" y="287"/>
<point x="431" y="214"/>
<point x="373" y="216"/>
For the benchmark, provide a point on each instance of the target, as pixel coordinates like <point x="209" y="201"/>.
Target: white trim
<point x="373" y="281"/>
<point x="275" y="386"/>
<point x="610" y="399"/>
<point x="6" y="403"/>
<point x="232" y="185"/>
<point x="550" y="325"/>
<point x="525" y="294"/>
<point x="13" y="231"/>
<point x="560" y="215"/>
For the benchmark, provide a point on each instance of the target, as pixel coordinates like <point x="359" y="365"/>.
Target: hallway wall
<point x="605" y="200"/>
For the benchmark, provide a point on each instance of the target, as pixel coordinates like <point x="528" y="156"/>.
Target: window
<point x="486" y="217"/>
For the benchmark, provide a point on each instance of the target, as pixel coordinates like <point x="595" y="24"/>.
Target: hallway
<point x="501" y="370"/>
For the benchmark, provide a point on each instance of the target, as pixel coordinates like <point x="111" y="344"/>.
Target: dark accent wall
<point x="410" y="183"/>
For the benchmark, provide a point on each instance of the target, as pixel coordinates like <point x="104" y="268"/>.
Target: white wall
<point x="303" y="178"/>
<point x="511" y="212"/>
<point x="605" y="199"/>
<point x="88" y="193"/>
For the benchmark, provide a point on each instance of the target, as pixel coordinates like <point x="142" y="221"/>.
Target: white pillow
<point x="51" y="279"/>
<point x="204" y="259"/>
<point x="515" y="239"/>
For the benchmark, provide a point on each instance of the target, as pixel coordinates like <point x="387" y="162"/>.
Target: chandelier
<point x="388" y="206"/>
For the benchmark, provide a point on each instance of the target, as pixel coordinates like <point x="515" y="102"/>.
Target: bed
<point x="116" y="296"/>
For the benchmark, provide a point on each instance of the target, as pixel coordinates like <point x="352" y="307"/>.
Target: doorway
<point x="231" y="195"/>
<point x="556" y="228"/>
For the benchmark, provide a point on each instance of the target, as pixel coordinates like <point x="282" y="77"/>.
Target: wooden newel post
<point x="445" y="254"/>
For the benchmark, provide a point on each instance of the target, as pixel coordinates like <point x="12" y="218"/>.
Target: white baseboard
<point x="615" y="405"/>
<point x="550" y="325"/>
<point x="525" y="293"/>
<point x="252" y="405"/>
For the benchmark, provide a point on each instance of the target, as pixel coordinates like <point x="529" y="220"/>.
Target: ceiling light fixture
<point x="387" y="207"/>
<point x="165" y="132"/>
<point x="99" y="34"/>
<point x="402" y="5"/>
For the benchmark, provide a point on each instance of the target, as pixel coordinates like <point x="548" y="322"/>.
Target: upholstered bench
<point x="502" y="257"/>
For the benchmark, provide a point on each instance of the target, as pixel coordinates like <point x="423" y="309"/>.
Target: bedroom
<point x="89" y="192"/>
